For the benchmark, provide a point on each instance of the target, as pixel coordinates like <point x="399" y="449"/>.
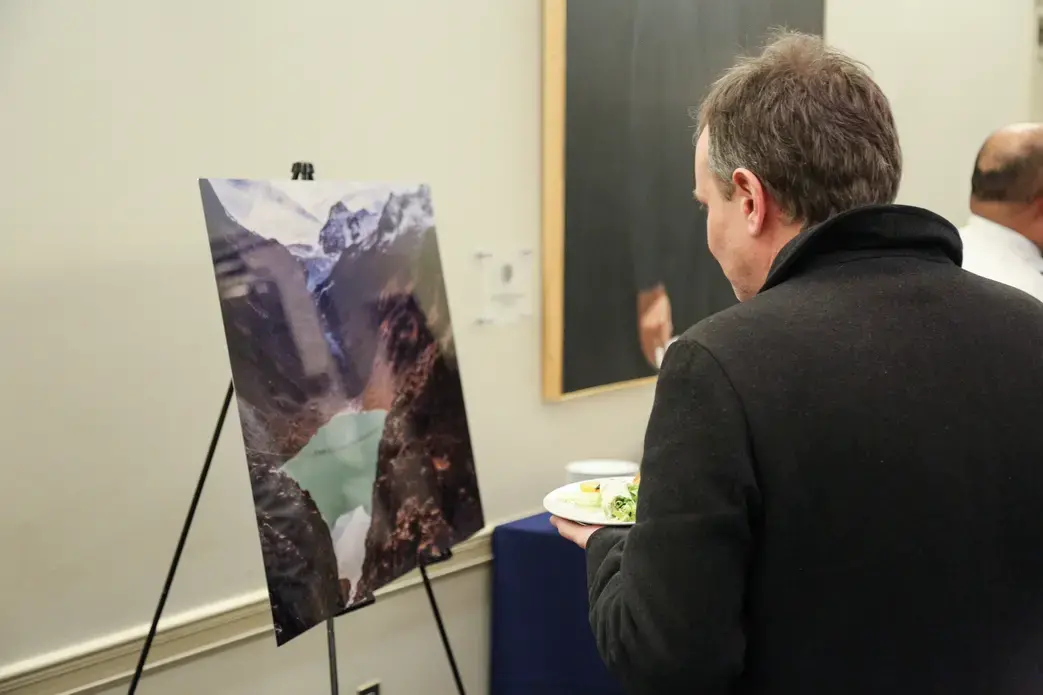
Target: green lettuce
<point x="624" y="507"/>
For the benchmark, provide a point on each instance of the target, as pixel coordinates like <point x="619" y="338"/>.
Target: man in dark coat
<point x="841" y="489"/>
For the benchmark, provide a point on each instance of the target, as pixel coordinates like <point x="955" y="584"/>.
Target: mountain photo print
<point x="347" y="385"/>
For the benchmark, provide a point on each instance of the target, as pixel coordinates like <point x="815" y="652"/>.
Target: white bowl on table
<point x="578" y="471"/>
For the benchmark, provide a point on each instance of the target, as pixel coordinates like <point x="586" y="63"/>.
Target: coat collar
<point x="868" y="231"/>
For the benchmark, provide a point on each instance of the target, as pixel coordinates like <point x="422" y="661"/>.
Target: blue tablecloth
<point x="541" y="638"/>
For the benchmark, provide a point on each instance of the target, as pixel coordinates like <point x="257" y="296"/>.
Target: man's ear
<point x="753" y="199"/>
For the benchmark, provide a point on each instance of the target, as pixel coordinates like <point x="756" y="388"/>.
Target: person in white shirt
<point x="1004" y="236"/>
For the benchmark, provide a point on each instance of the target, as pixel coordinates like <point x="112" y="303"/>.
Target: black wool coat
<point x="842" y="483"/>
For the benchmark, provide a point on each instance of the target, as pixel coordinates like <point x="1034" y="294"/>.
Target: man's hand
<point x="655" y="324"/>
<point x="577" y="533"/>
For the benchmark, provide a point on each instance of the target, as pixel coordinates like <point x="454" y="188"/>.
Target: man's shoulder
<point x="739" y="322"/>
<point x="1012" y="286"/>
<point x="730" y="335"/>
<point x="1005" y="268"/>
<point x="792" y="317"/>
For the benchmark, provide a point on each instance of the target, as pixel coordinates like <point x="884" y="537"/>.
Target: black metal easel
<point x="423" y="565"/>
<point x="301" y="171"/>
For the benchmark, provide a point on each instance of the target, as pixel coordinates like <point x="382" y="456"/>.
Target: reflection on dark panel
<point x="634" y="71"/>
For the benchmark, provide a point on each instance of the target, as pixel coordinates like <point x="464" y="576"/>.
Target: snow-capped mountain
<point x="317" y="265"/>
<point x="318" y="221"/>
<point x="403" y="218"/>
<point x="406" y="213"/>
<point x="317" y="197"/>
<point x="344" y="228"/>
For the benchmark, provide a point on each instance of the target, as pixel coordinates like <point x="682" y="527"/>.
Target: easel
<point x="303" y="171"/>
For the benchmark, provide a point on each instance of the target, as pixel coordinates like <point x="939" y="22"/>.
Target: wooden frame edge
<point x="553" y="213"/>
<point x="608" y="388"/>
<point x="553" y="193"/>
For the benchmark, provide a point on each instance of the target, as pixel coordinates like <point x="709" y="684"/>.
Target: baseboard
<point x="103" y="663"/>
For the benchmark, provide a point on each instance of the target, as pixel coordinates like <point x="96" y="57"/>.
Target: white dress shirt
<point x="1001" y="254"/>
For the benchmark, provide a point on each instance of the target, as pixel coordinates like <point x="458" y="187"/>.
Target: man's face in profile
<point x="726" y="227"/>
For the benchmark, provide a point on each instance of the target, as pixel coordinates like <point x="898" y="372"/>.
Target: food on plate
<point x="616" y="498"/>
<point x="589" y="495"/>
<point x="619" y="499"/>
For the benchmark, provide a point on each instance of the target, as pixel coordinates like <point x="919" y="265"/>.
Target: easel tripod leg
<point x="143" y="656"/>
<point x="331" y="643"/>
<point x="441" y="627"/>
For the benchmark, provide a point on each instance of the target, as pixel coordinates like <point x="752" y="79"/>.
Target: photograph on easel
<point x="347" y="385"/>
<point x="626" y="267"/>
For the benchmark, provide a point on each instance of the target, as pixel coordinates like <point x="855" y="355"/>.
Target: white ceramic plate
<point x="557" y="504"/>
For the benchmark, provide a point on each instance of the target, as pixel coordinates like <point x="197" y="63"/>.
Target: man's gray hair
<point x="810" y="123"/>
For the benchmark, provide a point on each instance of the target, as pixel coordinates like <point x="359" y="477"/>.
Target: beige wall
<point x="396" y="643"/>
<point x="114" y="359"/>
<point x="114" y="363"/>
<point x="955" y="70"/>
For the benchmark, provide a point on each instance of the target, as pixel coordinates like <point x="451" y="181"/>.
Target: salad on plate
<point x="616" y="498"/>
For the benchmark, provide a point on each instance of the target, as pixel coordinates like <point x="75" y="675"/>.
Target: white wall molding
<point x="102" y="663"/>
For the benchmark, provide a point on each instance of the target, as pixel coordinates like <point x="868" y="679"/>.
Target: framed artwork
<point x="625" y="263"/>
<point x="347" y="385"/>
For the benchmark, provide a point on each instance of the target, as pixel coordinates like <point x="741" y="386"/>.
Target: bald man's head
<point x="1009" y="168"/>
